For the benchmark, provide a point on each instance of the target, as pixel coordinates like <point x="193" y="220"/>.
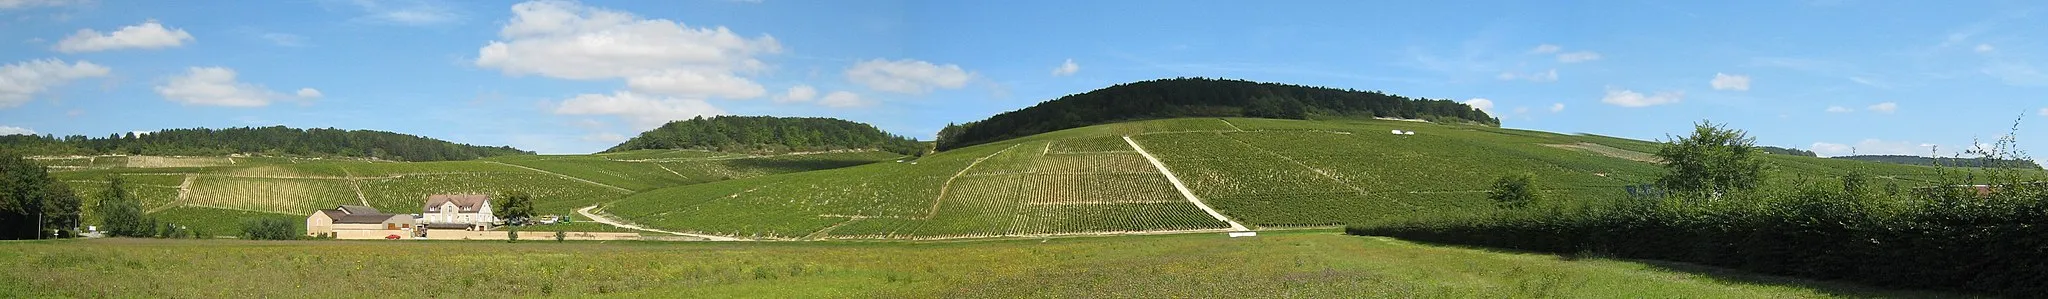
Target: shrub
<point x="269" y="229"/>
<point x="561" y="235"/>
<point x="1513" y="191"/>
<point x="511" y="234"/>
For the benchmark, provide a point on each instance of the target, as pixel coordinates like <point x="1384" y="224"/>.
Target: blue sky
<point x="1878" y="77"/>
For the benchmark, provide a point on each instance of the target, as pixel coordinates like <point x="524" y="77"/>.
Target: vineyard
<point x="1267" y="173"/>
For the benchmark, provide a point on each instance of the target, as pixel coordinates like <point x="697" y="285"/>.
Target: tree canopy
<point x="31" y="203"/>
<point x="1714" y="160"/>
<point x="1202" y="97"/>
<point x="276" y="140"/>
<point x="769" y="134"/>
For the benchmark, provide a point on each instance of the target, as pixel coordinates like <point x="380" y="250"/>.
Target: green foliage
<point x="511" y="234"/>
<point x="769" y="134"/>
<point x="1713" y="161"/>
<point x="514" y="207"/>
<point x="1513" y="191"/>
<point x="561" y="235"/>
<point x="277" y="140"/>
<point x="269" y="229"/>
<point x="121" y="214"/>
<point x="1202" y="97"/>
<point x="33" y="204"/>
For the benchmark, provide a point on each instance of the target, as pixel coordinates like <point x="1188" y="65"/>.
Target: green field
<point x="1317" y="264"/>
<point x="1266" y="173"/>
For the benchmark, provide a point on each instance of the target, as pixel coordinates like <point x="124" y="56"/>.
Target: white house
<point x="472" y="210"/>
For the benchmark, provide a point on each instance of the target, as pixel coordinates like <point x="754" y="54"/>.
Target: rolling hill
<point x="1949" y="162"/>
<point x="1262" y="173"/>
<point x="266" y="141"/>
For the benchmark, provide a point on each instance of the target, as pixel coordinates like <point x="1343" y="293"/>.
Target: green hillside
<point x="1950" y="162"/>
<point x="218" y="192"/>
<point x="1263" y="173"/>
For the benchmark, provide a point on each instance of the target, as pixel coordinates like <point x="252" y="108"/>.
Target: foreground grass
<point x="1297" y="264"/>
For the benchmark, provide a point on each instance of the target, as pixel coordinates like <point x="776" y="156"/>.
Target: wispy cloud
<point x="407" y="12"/>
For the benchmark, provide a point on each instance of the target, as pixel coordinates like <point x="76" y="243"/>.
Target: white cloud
<point x="9" y="130"/>
<point x="1521" y="110"/>
<point x="1839" y="109"/>
<point x="697" y="84"/>
<point x="1873" y="147"/>
<point x="570" y="41"/>
<point x="842" y="99"/>
<point x="642" y="112"/>
<point x="1545" y="49"/>
<point x="1482" y="104"/>
<point x="1985" y="48"/>
<point x="310" y="93"/>
<point x="214" y="86"/>
<point x="1066" y="69"/>
<point x="907" y="76"/>
<point x="1730" y="82"/>
<point x="1885" y="107"/>
<point x="1577" y="57"/>
<point x="1545" y="76"/>
<point x="148" y="35"/>
<point x="284" y="39"/>
<point x="799" y="93"/>
<point x="1630" y="98"/>
<point x="2015" y="73"/>
<point x="15" y="4"/>
<point x="1558" y="107"/>
<point x="2044" y="111"/>
<point x="21" y="81"/>
<point x="406" y="12"/>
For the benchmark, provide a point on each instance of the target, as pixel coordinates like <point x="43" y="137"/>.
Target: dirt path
<point x="353" y="185"/>
<point x="671" y="171"/>
<point x="820" y="234"/>
<point x="183" y="189"/>
<point x="563" y="176"/>
<point x="585" y="211"/>
<point x="1232" y="126"/>
<point x="1183" y="188"/>
<point x="934" y="211"/>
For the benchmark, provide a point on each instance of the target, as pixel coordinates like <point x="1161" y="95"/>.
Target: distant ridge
<point x="769" y="134"/>
<point x="275" y="140"/>
<point x="1203" y="97"/>
<point x="1951" y="162"/>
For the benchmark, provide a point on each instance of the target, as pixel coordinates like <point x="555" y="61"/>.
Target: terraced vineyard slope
<point x="1266" y="173"/>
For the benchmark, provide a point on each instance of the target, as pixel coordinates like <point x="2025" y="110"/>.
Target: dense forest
<point x="1203" y="97"/>
<point x="1787" y="151"/>
<point x="1951" y="162"/>
<point x="769" y="134"/>
<point x="274" y="141"/>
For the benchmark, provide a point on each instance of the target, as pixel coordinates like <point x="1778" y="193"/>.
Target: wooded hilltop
<point x="769" y="134"/>
<point x="1203" y="97"/>
<point x="276" y="141"/>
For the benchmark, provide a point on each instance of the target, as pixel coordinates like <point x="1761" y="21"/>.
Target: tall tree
<point x="1712" y="161"/>
<point x="32" y="205"/>
<point x="515" y="207"/>
<point x="121" y="213"/>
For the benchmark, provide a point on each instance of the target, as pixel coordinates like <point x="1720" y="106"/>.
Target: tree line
<point x="33" y="205"/>
<point x="1203" y="97"/>
<point x="275" y="141"/>
<point x="769" y="134"/>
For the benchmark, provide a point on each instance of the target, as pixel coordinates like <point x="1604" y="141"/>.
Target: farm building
<point x="469" y="211"/>
<point x="359" y="222"/>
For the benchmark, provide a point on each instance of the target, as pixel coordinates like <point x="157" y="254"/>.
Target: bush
<point x="269" y="229"/>
<point x="511" y="234"/>
<point x="1513" y="191"/>
<point x="561" y="235"/>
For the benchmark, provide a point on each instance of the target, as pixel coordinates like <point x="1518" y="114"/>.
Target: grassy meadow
<point x="1320" y="264"/>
